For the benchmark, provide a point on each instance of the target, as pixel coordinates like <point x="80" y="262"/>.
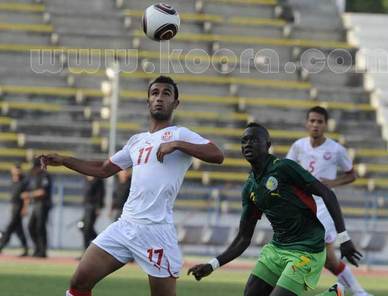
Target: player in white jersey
<point x="159" y="159"/>
<point x="323" y="157"/>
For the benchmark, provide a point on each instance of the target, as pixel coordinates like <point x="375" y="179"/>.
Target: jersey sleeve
<point x="248" y="208"/>
<point x="294" y="174"/>
<point x="343" y="160"/>
<point x="293" y="152"/>
<point x="189" y="136"/>
<point x="122" y="158"/>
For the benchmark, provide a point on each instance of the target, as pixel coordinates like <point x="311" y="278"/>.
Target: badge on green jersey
<point x="271" y="184"/>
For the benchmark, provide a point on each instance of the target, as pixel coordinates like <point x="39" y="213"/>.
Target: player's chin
<point x="249" y="156"/>
<point x="160" y="115"/>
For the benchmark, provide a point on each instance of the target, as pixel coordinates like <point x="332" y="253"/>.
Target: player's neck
<point x="158" y="125"/>
<point x="258" y="165"/>
<point x="315" y="142"/>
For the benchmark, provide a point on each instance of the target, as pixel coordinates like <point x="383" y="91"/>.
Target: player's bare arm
<point x="329" y="198"/>
<point x="206" y="152"/>
<point x="236" y="248"/>
<point x="99" y="169"/>
<point x="343" y="179"/>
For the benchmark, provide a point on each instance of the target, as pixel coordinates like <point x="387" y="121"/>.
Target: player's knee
<point x="81" y="281"/>
<point x="248" y="291"/>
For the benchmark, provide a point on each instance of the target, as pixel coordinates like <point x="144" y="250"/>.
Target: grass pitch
<point x="19" y="277"/>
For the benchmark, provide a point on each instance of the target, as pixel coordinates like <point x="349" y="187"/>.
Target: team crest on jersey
<point x="167" y="136"/>
<point x="327" y="156"/>
<point x="271" y="184"/>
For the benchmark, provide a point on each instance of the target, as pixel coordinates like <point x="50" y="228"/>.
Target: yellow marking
<point x="304" y="261"/>
<point x="253" y="196"/>
<point x="275" y="194"/>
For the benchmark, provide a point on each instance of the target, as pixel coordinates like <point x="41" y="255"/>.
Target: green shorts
<point x="290" y="269"/>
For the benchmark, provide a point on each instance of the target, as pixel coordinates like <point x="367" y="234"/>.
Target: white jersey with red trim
<point x="323" y="161"/>
<point x="154" y="184"/>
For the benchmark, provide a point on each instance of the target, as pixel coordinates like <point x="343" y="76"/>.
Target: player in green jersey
<point x="281" y="189"/>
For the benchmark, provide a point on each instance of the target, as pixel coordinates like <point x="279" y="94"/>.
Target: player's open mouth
<point x="248" y="153"/>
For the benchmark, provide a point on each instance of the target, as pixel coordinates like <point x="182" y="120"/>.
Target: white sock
<point x="350" y="282"/>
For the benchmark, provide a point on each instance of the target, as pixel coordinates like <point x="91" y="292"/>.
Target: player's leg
<point x="256" y="286"/>
<point x="20" y="233"/>
<point x="342" y="272"/>
<point x="11" y="227"/>
<point x="33" y="231"/>
<point x="105" y="254"/>
<point x="94" y="266"/>
<point x="42" y="216"/>
<point x="162" y="286"/>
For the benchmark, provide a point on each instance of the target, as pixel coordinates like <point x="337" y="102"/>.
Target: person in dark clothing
<point x="94" y="194"/>
<point x="121" y="193"/>
<point x="38" y="194"/>
<point x="15" y="224"/>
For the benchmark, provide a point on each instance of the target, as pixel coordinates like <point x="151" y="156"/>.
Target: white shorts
<point x="326" y="220"/>
<point x="153" y="246"/>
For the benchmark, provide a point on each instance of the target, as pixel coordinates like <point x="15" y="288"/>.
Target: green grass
<point x="48" y="279"/>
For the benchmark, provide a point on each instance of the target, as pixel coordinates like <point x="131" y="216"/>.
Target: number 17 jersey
<point x="154" y="184"/>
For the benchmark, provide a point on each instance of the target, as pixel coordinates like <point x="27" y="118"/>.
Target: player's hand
<point x="201" y="270"/>
<point x="164" y="149"/>
<point x="51" y="159"/>
<point x="349" y="251"/>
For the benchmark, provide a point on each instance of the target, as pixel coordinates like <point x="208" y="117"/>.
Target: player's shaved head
<point x="255" y="142"/>
<point x="260" y="131"/>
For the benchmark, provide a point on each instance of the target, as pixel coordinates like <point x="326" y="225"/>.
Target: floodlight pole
<point x="113" y="74"/>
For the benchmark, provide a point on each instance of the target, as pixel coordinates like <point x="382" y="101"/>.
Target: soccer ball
<point x="161" y="22"/>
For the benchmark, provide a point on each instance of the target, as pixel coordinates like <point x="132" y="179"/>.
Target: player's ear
<point x="268" y="145"/>
<point x="176" y="103"/>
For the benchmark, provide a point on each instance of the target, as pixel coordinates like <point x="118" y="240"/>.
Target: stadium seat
<point x="192" y="234"/>
<point x="36" y="28"/>
<point x="216" y="235"/>
<point x="373" y="242"/>
<point x="22" y="7"/>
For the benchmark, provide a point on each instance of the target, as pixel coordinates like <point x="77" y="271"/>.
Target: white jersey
<point x="323" y="161"/>
<point x="154" y="185"/>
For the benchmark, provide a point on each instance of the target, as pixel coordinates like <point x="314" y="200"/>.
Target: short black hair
<point x="319" y="110"/>
<point x="262" y="128"/>
<point x="167" y="80"/>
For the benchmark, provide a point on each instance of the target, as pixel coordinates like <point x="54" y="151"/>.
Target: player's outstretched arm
<point x="99" y="169"/>
<point x="329" y="198"/>
<point x="343" y="179"/>
<point x="206" y="152"/>
<point x="236" y="248"/>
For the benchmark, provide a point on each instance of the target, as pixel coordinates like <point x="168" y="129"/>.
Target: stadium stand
<point x="61" y="106"/>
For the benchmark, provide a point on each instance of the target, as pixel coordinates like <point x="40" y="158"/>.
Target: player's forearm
<point x="344" y="179"/>
<point x="85" y="167"/>
<point x="332" y="205"/>
<point x="206" y="152"/>
<point x="238" y="246"/>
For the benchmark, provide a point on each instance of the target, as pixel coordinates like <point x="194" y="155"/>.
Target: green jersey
<point x="279" y="193"/>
